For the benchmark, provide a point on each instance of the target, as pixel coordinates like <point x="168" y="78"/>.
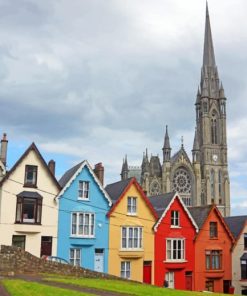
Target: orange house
<point x="213" y="244"/>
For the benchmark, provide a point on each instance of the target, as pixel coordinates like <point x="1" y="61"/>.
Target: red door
<point x="188" y="280"/>
<point x="147" y="272"/>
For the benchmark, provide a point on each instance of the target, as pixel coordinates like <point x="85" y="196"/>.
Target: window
<point x="82" y="224"/>
<point x="19" y="241"/>
<point x="30" y="176"/>
<point x="175" y="218"/>
<point x="245" y="241"/>
<point x="75" y="257"/>
<point x="28" y="210"/>
<point x="175" y="250"/>
<point x="213" y="259"/>
<point x="212" y="184"/>
<point x="220" y="182"/>
<point x="244" y="269"/>
<point x="209" y="286"/>
<point x="131" y="237"/>
<point x="213" y="229"/>
<point x="170" y="280"/>
<point x="125" y="269"/>
<point x="131" y="208"/>
<point x="214" y="129"/>
<point x="83" y="192"/>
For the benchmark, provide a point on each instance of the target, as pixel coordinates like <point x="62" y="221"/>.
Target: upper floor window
<point x="83" y="192"/>
<point x="131" y="208"/>
<point x="175" y="221"/>
<point x="214" y="259"/>
<point x="175" y="249"/>
<point x="245" y="241"/>
<point x="131" y="237"/>
<point x="28" y="209"/>
<point x="82" y="224"/>
<point x="30" y="176"/>
<point x="213" y="229"/>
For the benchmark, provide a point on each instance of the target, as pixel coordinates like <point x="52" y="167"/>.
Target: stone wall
<point x="14" y="260"/>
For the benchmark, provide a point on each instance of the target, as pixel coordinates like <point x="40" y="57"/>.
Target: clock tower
<point x="211" y="132"/>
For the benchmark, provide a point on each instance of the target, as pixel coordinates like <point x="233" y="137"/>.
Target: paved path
<point x="39" y="279"/>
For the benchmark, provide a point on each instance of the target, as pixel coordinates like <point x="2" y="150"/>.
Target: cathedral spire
<point x="166" y="148"/>
<point x="208" y="54"/>
<point x="125" y="169"/>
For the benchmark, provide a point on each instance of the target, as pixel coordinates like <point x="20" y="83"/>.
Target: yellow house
<point x="131" y="237"/>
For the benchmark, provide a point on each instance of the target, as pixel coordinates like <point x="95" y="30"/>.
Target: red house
<point x="213" y="245"/>
<point x="174" y="242"/>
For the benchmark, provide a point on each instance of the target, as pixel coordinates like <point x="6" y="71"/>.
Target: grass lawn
<point x="128" y="288"/>
<point x="23" y="288"/>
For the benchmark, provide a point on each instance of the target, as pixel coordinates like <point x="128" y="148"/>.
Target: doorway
<point x="46" y="246"/>
<point x="99" y="260"/>
<point x="147" y="272"/>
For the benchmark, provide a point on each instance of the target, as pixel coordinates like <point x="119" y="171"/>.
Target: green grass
<point x="129" y="288"/>
<point x="23" y="288"/>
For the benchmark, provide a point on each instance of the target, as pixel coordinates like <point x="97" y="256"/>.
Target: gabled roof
<point x="117" y="191"/>
<point x="236" y="224"/>
<point x="33" y="148"/>
<point x="181" y="151"/>
<point x="70" y="175"/>
<point x="201" y="213"/>
<point x="162" y="204"/>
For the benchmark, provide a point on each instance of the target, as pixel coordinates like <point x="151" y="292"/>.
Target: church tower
<point x="210" y="145"/>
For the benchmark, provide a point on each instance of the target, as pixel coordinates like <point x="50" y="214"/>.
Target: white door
<point x="99" y="260"/>
<point x="170" y="279"/>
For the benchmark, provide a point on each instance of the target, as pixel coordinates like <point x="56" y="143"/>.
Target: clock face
<point x="154" y="188"/>
<point x="215" y="157"/>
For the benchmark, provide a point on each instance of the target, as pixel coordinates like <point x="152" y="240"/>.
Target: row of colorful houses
<point x="118" y="229"/>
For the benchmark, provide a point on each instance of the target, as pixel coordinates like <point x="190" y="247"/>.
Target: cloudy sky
<point x="98" y="79"/>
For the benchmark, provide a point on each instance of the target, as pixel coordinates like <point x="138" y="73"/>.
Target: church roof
<point x="180" y="152"/>
<point x="236" y="224"/>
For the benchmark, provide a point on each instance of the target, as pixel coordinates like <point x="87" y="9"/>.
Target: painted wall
<point x="97" y="204"/>
<point x="119" y="218"/>
<point x="203" y="243"/>
<point x="165" y="230"/>
<point x="47" y="189"/>
<point x="238" y="251"/>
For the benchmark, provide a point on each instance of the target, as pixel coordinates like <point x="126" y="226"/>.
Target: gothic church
<point x="205" y="179"/>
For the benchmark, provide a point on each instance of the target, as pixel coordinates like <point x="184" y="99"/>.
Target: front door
<point x="99" y="260"/>
<point x="147" y="272"/>
<point x="46" y="246"/>
<point x="170" y="279"/>
<point x="188" y="280"/>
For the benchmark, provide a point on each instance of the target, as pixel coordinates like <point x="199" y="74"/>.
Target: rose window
<point x="181" y="181"/>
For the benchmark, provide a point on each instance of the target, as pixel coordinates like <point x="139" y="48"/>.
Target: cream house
<point x="238" y="227"/>
<point x="28" y="210"/>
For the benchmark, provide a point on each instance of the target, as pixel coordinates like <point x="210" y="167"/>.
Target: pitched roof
<point x="70" y="175"/>
<point x="236" y="224"/>
<point x="161" y="201"/>
<point x="200" y="214"/>
<point x="118" y="189"/>
<point x="34" y="148"/>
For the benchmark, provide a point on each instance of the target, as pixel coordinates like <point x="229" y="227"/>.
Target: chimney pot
<point x="4" y="146"/>
<point x="99" y="172"/>
<point x="52" y="165"/>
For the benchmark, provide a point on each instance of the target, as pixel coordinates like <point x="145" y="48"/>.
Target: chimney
<point x="51" y="165"/>
<point x="4" y="146"/>
<point x="99" y="172"/>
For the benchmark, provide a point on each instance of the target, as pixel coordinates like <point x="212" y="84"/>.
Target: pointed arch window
<point x="212" y="185"/>
<point x="214" y="129"/>
<point x="220" y="182"/>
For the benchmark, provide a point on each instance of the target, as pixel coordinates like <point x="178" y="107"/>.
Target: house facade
<point x="28" y="210"/>
<point x="174" y="243"/>
<point x="238" y="227"/>
<point x="131" y="235"/>
<point x="83" y="228"/>
<point x="213" y="245"/>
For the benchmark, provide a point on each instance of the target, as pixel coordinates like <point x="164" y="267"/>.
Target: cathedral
<point x="203" y="179"/>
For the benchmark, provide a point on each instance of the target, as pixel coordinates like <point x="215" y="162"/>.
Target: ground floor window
<point x="209" y="286"/>
<point x="170" y="280"/>
<point x="75" y="256"/>
<point x="244" y="269"/>
<point x="244" y="292"/>
<point x="125" y="269"/>
<point x="19" y="241"/>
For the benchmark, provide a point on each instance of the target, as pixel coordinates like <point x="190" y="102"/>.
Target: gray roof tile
<point x="200" y="214"/>
<point x="160" y="202"/>
<point x="116" y="189"/>
<point x="68" y="174"/>
<point x="235" y="224"/>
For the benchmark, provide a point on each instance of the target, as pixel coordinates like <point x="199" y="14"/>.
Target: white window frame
<point x="83" y="190"/>
<point x="76" y="258"/>
<point x="170" y="278"/>
<point x="132" y="238"/>
<point x="83" y="224"/>
<point x="175" y="219"/>
<point x="125" y="268"/>
<point x="172" y="250"/>
<point x="132" y="205"/>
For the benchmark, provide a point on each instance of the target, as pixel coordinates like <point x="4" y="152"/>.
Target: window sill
<point x="30" y="185"/>
<point x="174" y="226"/>
<point x="175" y="261"/>
<point x="83" y="199"/>
<point x="213" y="238"/>
<point x="82" y="236"/>
<point x="132" y="214"/>
<point x="27" y="223"/>
<point x="131" y="250"/>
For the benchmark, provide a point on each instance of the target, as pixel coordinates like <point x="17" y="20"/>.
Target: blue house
<point x="82" y="223"/>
